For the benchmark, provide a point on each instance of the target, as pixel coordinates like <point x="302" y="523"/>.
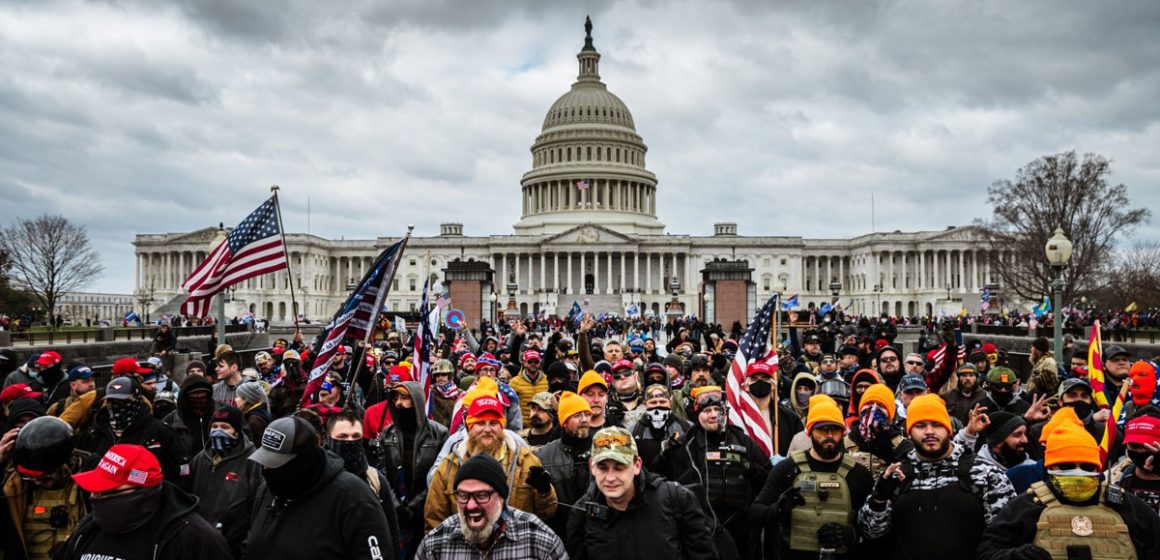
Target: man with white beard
<point x="485" y="527"/>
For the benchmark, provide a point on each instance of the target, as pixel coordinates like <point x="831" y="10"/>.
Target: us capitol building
<point x="589" y="233"/>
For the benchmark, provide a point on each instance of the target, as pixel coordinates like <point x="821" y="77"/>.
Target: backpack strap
<point x="848" y="464"/>
<point x="1043" y="495"/>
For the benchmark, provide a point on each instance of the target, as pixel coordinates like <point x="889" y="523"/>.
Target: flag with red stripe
<point x="356" y="317"/>
<point x="252" y="249"/>
<point x="754" y="346"/>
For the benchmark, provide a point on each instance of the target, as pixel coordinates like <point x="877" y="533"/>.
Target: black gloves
<point x="835" y="536"/>
<point x="789" y="499"/>
<point x="540" y="479"/>
<point x="948" y="332"/>
<point x="672" y="442"/>
<point x="1030" y="552"/>
<point x="886" y="488"/>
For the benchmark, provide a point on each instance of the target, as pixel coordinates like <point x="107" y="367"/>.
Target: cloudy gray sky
<point x="139" y="117"/>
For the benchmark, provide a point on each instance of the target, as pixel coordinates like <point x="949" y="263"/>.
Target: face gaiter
<point x="354" y="457"/>
<point x="221" y="442"/>
<point x="128" y="512"/>
<point x="292" y="480"/>
<point x="123" y="413"/>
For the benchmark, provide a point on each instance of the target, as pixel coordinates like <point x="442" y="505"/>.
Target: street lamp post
<point x="220" y="299"/>
<point x="494" y="309"/>
<point x="1058" y="251"/>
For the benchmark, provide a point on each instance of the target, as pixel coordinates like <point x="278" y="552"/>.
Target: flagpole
<point x="774" y="404"/>
<point x="372" y="323"/>
<point x="289" y="275"/>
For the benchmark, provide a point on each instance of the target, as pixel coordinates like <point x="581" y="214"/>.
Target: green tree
<point x="1058" y="191"/>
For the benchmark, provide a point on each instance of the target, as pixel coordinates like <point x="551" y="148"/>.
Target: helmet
<point x="43" y="446"/>
<point x="835" y="388"/>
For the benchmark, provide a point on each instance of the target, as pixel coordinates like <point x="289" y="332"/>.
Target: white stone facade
<point x="589" y="233"/>
<point x="78" y="306"/>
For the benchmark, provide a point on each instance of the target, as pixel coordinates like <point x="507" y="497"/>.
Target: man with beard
<point x="1117" y="366"/>
<point x="344" y="438"/>
<point x="625" y="399"/>
<point x="726" y="463"/>
<point x="137" y="514"/>
<point x="963" y="398"/>
<point x="485" y="526"/>
<point x="969" y="493"/>
<point x="566" y="459"/>
<point x="848" y="361"/>
<point x="700" y="375"/>
<point x="759" y="379"/>
<point x="594" y="389"/>
<point x="631" y="513"/>
<point x="224" y="479"/>
<point x="874" y="441"/>
<point x="1071" y="514"/>
<point x="810" y="510"/>
<point x="125" y="418"/>
<point x="38" y="488"/>
<point x="1004" y="438"/>
<point x="531" y="485"/>
<point x="542" y="429"/>
<point x="310" y="507"/>
<point x="1074" y="393"/>
<point x="889" y="363"/>
<point x="378" y="416"/>
<point x="1044" y="379"/>
<point x="659" y="429"/>
<point x="409" y="447"/>
<point x="80" y="382"/>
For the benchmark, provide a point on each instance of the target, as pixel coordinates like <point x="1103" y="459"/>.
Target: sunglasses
<point x="913" y="363"/>
<point x="535" y="362"/>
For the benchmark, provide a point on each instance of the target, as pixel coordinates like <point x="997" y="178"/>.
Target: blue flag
<point x="790" y="303"/>
<point x="1043" y="308"/>
<point x="826" y="308"/>
<point x="131" y="317"/>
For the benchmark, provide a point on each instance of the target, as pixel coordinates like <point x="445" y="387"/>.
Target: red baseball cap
<point x="48" y="359"/>
<point x="1144" y="429"/>
<point x="531" y="355"/>
<point x="621" y="365"/>
<point x="122" y="464"/>
<point x="125" y="366"/>
<point x="17" y="391"/>
<point x="485" y="407"/>
<point x="760" y="368"/>
<point x="399" y="374"/>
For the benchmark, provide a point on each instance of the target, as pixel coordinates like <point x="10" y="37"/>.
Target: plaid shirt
<point x="522" y="537"/>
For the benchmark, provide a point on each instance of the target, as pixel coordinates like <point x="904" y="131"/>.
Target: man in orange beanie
<point x="874" y="441"/>
<point x="530" y="486"/>
<point x="969" y="493"/>
<point x="566" y="458"/>
<point x="804" y="503"/>
<point x="1071" y="514"/>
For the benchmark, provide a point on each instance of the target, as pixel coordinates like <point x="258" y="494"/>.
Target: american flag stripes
<point x="755" y="346"/>
<point x="424" y="343"/>
<point x="357" y="317"/>
<point x="582" y="184"/>
<point x="443" y="300"/>
<point x="251" y="249"/>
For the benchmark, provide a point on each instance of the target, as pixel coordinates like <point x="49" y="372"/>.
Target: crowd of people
<point x="586" y="439"/>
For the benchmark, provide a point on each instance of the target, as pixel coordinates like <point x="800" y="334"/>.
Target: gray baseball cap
<point x="283" y="440"/>
<point x="121" y="388"/>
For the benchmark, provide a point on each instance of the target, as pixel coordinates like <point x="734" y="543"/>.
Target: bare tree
<point x="1057" y="191"/>
<point x="51" y="257"/>
<point x="1133" y="276"/>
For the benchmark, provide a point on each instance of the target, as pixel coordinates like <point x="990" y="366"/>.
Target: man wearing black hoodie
<point x="344" y="437"/>
<point x="136" y="514"/>
<point x="224" y="480"/>
<point x="194" y="413"/>
<point x="310" y="507"/>
<point x="409" y="447"/>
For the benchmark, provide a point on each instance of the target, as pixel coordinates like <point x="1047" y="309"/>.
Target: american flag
<point x="754" y="347"/>
<point x="357" y="316"/>
<point x="941" y="353"/>
<point x="582" y="184"/>
<point x="424" y="342"/>
<point x="443" y="300"/>
<point x="251" y="249"/>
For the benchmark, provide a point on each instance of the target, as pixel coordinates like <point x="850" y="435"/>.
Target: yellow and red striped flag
<point x="1096" y="366"/>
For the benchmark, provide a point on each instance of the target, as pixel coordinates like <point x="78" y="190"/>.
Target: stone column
<point x="556" y="271"/>
<point x="569" y="257"/>
<point x="648" y="272"/>
<point x="583" y="270"/>
<point x="636" y="270"/>
<point x="543" y="266"/>
<point x="974" y="271"/>
<point x="962" y="271"/>
<point x="519" y="278"/>
<point x="608" y="282"/>
<point x="622" y="289"/>
<point x="947" y="270"/>
<point x="501" y="285"/>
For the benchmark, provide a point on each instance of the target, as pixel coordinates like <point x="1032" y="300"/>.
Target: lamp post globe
<point x="1058" y="253"/>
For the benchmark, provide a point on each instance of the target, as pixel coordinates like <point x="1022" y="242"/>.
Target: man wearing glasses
<point x="485" y="526"/>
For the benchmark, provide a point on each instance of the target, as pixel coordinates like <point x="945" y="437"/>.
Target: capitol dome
<point x="588" y="163"/>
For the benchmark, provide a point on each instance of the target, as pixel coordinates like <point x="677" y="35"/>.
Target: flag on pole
<point x="755" y="346"/>
<point x="1096" y="366"/>
<point x="357" y="316"/>
<point x="424" y="342"/>
<point x="826" y="308"/>
<point x="790" y="303"/>
<point x="443" y="300"/>
<point x="575" y="313"/>
<point x="583" y="184"/>
<point x="132" y="317"/>
<point x="251" y="249"/>
<point x="1130" y="308"/>
<point x="1043" y="308"/>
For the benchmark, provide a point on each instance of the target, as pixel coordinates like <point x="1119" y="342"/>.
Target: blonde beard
<point x="474" y="447"/>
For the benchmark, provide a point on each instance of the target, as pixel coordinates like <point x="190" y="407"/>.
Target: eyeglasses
<point x="481" y="497"/>
<point x="913" y="363"/>
<point x="622" y="374"/>
<point x="888" y="359"/>
<point x="535" y="362"/>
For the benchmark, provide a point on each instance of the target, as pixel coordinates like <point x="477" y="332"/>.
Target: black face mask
<point x="127" y="512"/>
<point x="1082" y="409"/>
<point x="295" y="478"/>
<point x="1002" y="399"/>
<point x="354" y="457"/>
<point x="761" y="389"/>
<point x="1140" y="458"/>
<point x="405" y="418"/>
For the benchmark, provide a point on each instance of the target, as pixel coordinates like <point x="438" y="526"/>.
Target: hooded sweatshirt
<point x="193" y="429"/>
<point x="798" y="380"/>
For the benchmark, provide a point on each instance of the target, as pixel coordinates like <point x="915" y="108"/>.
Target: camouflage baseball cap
<point x="614" y="443"/>
<point x="545" y="400"/>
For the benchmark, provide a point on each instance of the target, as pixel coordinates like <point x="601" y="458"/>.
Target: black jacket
<point x="729" y="486"/>
<point x="663" y="520"/>
<point x="193" y="430"/>
<point x="226" y="491"/>
<point x="148" y="432"/>
<point x="1015" y="525"/>
<point x="570" y="476"/>
<point x="338" y="517"/>
<point x="179" y="533"/>
<point x="429" y="439"/>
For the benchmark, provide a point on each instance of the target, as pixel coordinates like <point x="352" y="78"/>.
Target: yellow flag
<point x="1130" y="308"/>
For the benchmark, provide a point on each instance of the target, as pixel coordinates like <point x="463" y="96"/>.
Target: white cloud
<point x="133" y="118"/>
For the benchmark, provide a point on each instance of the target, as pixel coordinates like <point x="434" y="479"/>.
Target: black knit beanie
<point x="1001" y="426"/>
<point x="484" y="468"/>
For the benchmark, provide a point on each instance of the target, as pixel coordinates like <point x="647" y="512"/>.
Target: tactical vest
<point x="39" y="534"/>
<point x="874" y="464"/>
<point x="725" y="483"/>
<point x="1097" y="527"/>
<point x="827" y="499"/>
